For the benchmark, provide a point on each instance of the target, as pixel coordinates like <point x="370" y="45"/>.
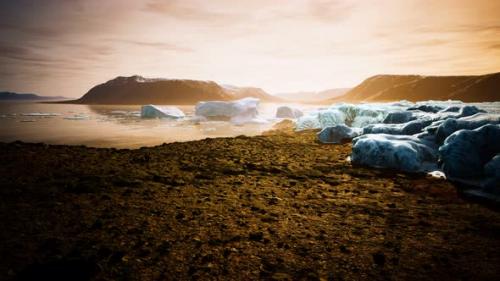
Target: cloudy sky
<point x="64" y="47"/>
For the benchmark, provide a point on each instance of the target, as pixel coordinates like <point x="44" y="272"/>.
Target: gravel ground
<point x="279" y="207"/>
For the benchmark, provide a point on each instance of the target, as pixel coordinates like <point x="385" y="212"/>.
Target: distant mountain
<point x="480" y="88"/>
<point x="243" y="92"/>
<point x="139" y="90"/>
<point x="313" y="97"/>
<point x="10" y="96"/>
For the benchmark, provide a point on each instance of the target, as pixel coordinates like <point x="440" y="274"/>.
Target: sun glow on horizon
<point x="60" y="47"/>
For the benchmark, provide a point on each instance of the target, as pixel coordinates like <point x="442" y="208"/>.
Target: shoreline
<point x="277" y="206"/>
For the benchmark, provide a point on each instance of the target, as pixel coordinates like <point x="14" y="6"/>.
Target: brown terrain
<point x="275" y="207"/>
<point x="140" y="90"/>
<point x="481" y="88"/>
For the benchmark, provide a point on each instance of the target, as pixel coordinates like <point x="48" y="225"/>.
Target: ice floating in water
<point x="338" y="134"/>
<point x="77" y="117"/>
<point x="119" y="112"/>
<point x="153" y="111"/>
<point x="40" y="114"/>
<point x="288" y="112"/>
<point x="238" y="112"/>
<point x="405" y="153"/>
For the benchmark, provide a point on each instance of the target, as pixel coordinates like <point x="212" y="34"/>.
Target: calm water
<point x="111" y="126"/>
<point x="121" y="126"/>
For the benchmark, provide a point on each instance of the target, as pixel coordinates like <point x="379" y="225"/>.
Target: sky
<point x="65" y="47"/>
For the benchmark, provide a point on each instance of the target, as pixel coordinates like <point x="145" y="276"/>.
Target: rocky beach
<point x="281" y="206"/>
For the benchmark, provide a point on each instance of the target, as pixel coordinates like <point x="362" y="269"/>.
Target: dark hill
<point x="139" y="90"/>
<point x="480" y="88"/>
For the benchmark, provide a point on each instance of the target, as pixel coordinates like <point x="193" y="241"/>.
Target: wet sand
<point x="280" y="206"/>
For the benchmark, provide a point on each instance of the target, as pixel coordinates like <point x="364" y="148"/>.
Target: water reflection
<point x="110" y="126"/>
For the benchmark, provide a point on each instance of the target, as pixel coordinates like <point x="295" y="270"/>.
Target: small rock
<point x="256" y="236"/>
<point x="379" y="258"/>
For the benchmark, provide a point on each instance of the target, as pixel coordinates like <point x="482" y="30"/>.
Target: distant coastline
<point x="13" y="97"/>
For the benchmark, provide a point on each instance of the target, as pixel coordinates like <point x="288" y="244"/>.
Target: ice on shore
<point x="409" y="128"/>
<point x="350" y="115"/>
<point x="472" y="157"/>
<point x="153" y="111"/>
<point x="237" y="112"/>
<point x="451" y="125"/>
<point x="398" y="117"/>
<point x="410" y="137"/>
<point x="307" y="122"/>
<point x="466" y="152"/>
<point x="338" y="134"/>
<point x="492" y="168"/>
<point x="288" y="112"/>
<point x="407" y="153"/>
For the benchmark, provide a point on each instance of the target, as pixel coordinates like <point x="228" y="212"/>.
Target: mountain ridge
<point x="389" y="87"/>
<point x="13" y="96"/>
<point x="139" y="90"/>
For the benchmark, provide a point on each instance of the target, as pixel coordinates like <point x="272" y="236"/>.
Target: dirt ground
<point x="275" y="207"/>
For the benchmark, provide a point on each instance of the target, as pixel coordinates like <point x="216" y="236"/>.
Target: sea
<point x="119" y="126"/>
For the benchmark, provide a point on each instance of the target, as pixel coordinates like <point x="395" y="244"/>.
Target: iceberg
<point x="288" y="112"/>
<point x="349" y="114"/>
<point x="409" y="128"/>
<point x="40" y="114"/>
<point x="237" y="112"/>
<point x="451" y="125"/>
<point x="397" y="117"/>
<point x="465" y="153"/>
<point x="413" y="137"/>
<point x="153" y="111"/>
<point x="330" y="117"/>
<point x="338" y="134"/>
<point x="427" y="108"/>
<point x="407" y="153"/>
<point x="307" y="122"/>
<point x="492" y="168"/>
<point x="77" y="117"/>
<point x="472" y="157"/>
